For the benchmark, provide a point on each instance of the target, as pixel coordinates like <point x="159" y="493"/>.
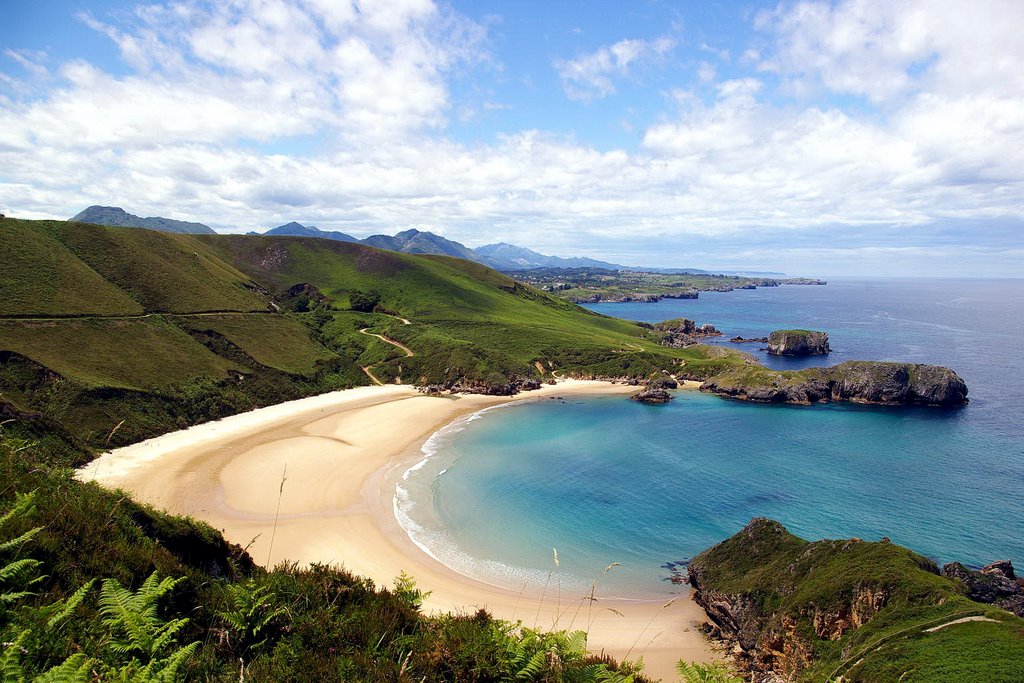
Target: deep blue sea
<point x="606" y="480"/>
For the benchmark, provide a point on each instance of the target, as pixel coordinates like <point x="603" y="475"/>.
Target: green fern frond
<point x="575" y="645"/>
<point x="534" y="666"/>
<point x="24" y="505"/>
<point x="10" y="660"/>
<point x="75" y="669"/>
<point x="63" y="609"/>
<point x="133" y="619"/>
<point x="693" y="672"/>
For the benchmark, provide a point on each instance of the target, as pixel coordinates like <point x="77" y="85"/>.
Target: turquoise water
<point x="604" y="479"/>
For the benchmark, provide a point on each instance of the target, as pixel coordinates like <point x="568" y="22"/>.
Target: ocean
<point x="604" y="480"/>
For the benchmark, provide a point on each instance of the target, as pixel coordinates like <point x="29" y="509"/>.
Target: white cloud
<point x="706" y="72"/>
<point x="202" y="127"/>
<point x="593" y="74"/>
<point x="883" y="50"/>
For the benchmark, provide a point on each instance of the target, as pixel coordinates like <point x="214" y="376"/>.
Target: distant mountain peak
<point x="295" y="229"/>
<point x="505" y="256"/>
<point x="115" y="216"/>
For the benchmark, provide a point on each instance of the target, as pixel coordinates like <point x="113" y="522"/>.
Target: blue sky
<point x="816" y="137"/>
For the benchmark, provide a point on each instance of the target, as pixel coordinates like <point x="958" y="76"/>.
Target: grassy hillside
<point x="42" y="276"/>
<point x="862" y="610"/>
<point x="130" y="353"/>
<point x="275" y="341"/>
<point x="161" y="272"/>
<point x="114" y="335"/>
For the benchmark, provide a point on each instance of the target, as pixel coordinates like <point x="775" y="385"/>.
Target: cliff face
<point x="798" y="343"/>
<point x="995" y="584"/>
<point x="794" y="610"/>
<point x="872" y="382"/>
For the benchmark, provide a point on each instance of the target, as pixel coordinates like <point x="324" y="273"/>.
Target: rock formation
<point x="995" y="584"/>
<point x="798" y="343"/>
<point x="872" y="382"/>
<point x="683" y="332"/>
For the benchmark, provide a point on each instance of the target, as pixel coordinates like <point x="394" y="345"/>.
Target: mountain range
<point x="500" y="256"/>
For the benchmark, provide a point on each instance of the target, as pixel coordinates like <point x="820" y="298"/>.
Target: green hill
<point x="144" y="331"/>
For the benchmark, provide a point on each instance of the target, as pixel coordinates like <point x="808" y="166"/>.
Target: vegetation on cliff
<point x="863" y="611"/>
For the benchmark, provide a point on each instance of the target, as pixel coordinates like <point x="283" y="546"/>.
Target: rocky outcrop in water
<point x="683" y="332"/>
<point x="798" y="343"/>
<point x="994" y="584"/>
<point x="745" y="340"/>
<point x="874" y="382"/>
<point x="652" y="395"/>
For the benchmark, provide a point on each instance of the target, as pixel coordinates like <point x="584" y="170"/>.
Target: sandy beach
<point x="341" y="455"/>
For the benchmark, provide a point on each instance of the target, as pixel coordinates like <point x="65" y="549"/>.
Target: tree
<point x="364" y="302"/>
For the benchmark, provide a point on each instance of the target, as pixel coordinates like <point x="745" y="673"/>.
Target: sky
<point x="843" y="137"/>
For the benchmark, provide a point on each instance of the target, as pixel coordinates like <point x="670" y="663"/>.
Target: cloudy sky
<point x="818" y="137"/>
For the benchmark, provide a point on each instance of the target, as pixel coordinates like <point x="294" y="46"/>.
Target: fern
<point x="19" y="575"/>
<point x="60" y="610"/>
<point x="694" y="672"/>
<point x="406" y="590"/>
<point x="75" y="669"/>
<point x="250" y="617"/>
<point x="10" y="660"/>
<point x="138" y="631"/>
<point x="135" y="625"/>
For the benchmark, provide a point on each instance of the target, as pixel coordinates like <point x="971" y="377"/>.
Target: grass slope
<point x="41" y="276"/>
<point x="141" y="354"/>
<point x="311" y="624"/>
<point x="276" y="341"/>
<point x="163" y="272"/>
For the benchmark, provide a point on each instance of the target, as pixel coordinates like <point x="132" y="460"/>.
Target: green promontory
<point x="862" y="611"/>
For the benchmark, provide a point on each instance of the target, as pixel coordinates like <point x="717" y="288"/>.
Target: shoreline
<point x="341" y="455"/>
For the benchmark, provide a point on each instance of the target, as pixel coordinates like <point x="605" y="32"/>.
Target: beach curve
<point x="342" y="454"/>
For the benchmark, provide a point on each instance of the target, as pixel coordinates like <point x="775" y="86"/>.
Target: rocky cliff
<point x="798" y="343"/>
<point x="994" y="584"/>
<point x="872" y="382"/>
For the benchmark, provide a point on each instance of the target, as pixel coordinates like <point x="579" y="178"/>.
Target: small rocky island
<point x="875" y="382"/>
<point x="798" y="343"/>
